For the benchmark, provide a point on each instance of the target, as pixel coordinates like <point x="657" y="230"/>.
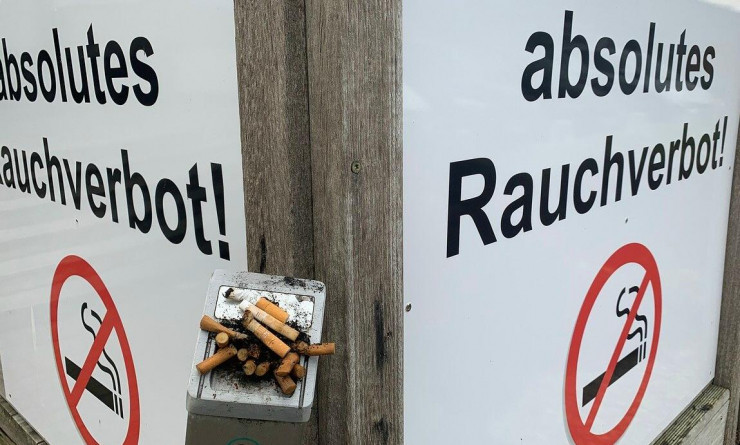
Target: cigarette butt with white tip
<point x="269" y="321"/>
<point x="265" y="336"/>
<point x="235" y="294"/>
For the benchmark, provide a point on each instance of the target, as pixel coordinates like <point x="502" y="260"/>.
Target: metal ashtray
<point x="225" y="393"/>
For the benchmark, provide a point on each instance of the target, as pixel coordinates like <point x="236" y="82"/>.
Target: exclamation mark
<point x="722" y="150"/>
<point x="218" y="192"/>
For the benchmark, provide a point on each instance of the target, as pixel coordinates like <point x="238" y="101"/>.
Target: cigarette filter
<point x="216" y="359"/>
<point x="268" y="338"/>
<point x="209" y="324"/>
<point x="262" y="369"/>
<point x="287" y="364"/>
<point x="272" y="309"/>
<point x="249" y="367"/>
<point x="242" y="354"/>
<point x="311" y="350"/>
<point x="299" y="372"/>
<point x="270" y="321"/>
<point x="222" y="339"/>
<point x="287" y="385"/>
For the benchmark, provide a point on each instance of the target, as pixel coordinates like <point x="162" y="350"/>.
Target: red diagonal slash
<point x="74" y="266"/>
<point x="615" y="355"/>
<point x="106" y="328"/>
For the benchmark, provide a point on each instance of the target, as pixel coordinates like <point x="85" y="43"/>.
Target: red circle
<point x="76" y="266"/>
<point x="630" y="253"/>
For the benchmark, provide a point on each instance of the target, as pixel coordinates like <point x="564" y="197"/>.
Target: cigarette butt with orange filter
<point x="311" y="350"/>
<point x="209" y="324"/>
<point x="269" y="321"/>
<point x="216" y="359"/>
<point x="222" y="339"/>
<point x="249" y="367"/>
<point x="272" y="309"/>
<point x="299" y="372"/>
<point x="268" y="338"/>
<point x="287" y="385"/>
<point x="242" y="354"/>
<point x="287" y="364"/>
<point x="262" y="369"/>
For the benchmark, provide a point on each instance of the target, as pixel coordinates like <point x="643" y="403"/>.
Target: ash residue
<point x="251" y="344"/>
<point x="299" y="307"/>
<point x="234" y="325"/>
<point x="304" y="284"/>
<point x="231" y="376"/>
<point x="294" y="282"/>
<point x="231" y="373"/>
<point x="304" y="338"/>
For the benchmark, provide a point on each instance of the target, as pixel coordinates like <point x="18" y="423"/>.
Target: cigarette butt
<point x="272" y="309"/>
<point x="287" y="385"/>
<point x="262" y="369"/>
<point x="298" y="372"/>
<point x="242" y="354"/>
<point x="216" y="359"/>
<point x="287" y="364"/>
<point x="268" y="338"/>
<point x="232" y="295"/>
<point x="222" y="339"/>
<point x="270" y="321"/>
<point x="209" y="324"/>
<point x="249" y="367"/>
<point x="311" y="350"/>
<point x="254" y="350"/>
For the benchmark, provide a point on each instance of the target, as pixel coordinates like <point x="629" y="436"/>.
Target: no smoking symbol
<point x="73" y="266"/>
<point x="581" y="430"/>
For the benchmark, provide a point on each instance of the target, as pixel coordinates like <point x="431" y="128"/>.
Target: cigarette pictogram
<point x="110" y="398"/>
<point x="629" y="361"/>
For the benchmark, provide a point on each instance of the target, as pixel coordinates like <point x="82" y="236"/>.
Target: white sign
<point x="120" y="193"/>
<point x="567" y="173"/>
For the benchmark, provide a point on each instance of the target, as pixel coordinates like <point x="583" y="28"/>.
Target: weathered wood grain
<point x="727" y="368"/>
<point x="702" y="423"/>
<point x="273" y="102"/>
<point x="354" y="67"/>
<point x="15" y="429"/>
<point x="276" y="150"/>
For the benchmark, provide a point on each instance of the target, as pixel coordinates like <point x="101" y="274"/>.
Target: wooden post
<point x="727" y="371"/>
<point x="354" y="79"/>
<point x="320" y="106"/>
<point x="276" y="151"/>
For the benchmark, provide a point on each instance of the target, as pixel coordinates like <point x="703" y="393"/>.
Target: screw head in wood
<point x="356" y="167"/>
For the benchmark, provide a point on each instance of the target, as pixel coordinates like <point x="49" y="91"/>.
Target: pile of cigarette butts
<point x="261" y="320"/>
